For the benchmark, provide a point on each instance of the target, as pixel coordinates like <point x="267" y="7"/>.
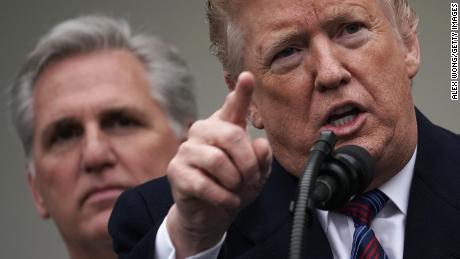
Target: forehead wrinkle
<point x="282" y="27"/>
<point x="279" y="15"/>
<point x="388" y="11"/>
<point x="314" y="14"/>
<point x="344" y="12"/>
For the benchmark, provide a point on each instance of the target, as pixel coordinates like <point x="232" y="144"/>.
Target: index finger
<point x="236" y="106"/>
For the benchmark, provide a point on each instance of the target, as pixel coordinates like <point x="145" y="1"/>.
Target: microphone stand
<point x="302" y="207"/>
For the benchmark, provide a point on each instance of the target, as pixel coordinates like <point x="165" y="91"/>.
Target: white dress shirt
<point x="164" y="248"/>
<point x="388" y="225"/>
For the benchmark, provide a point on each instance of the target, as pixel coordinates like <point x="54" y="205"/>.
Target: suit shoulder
<point x="147" y="202"/>
<point x="155" y="195"/>
<point x="437" y="161"/>
<point x="137" y="212"/>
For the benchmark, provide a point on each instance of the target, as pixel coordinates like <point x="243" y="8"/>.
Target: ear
<point x="184" y="133"/>
<point x="412" y="54"/>
<point x="254" y="116"/>
<point x="38" y="199"/>
<point x="229" y="81"/>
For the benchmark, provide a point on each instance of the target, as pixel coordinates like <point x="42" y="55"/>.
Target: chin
<point x="96" y="227"/>
<point x="367" y="142"/>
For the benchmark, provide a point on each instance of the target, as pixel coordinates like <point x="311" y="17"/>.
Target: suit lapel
<point x="263" y="229"/>
<point x="433" y="217"/>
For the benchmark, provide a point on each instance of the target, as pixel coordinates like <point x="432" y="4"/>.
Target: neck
<point x="399" y="153"/>
<point x="94" y="251"/>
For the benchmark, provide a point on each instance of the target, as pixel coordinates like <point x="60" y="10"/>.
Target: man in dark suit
<point x="344" y="66"/>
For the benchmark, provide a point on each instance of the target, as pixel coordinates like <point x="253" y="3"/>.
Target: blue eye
<point x="353" y="28"/>
<point x="285" y="53"/>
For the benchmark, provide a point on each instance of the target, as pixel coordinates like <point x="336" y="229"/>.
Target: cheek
<point x="384" y="76"/>
<point x="57" y="171"/>
<point x="285" y="89"/>
<point x="286" y="119"/>
<point x="285" y="99"/>
<point x="280" y="97"/>
<point x="393" y="92"/>
<point x="57" y="180"/>
<point x="148" y="158"/>
<point x="285" y="105"/>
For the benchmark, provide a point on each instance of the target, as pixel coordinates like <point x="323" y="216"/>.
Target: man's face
<point x="330" y="64"/>
<point x="97" y="132"/>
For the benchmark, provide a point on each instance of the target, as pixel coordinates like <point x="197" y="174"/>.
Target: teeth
<point x="343" y="109"/>
<point x="343" y="121"/>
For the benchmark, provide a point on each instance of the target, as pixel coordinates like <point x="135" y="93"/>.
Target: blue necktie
<point x="362" y="209"/>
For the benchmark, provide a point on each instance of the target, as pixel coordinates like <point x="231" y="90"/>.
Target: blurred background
<point x="180" y="22"/>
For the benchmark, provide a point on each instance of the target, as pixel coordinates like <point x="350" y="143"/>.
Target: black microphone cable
<point x="318" y="153"/>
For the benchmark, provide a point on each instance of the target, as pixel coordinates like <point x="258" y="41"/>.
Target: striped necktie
<point x="362" y="209"/>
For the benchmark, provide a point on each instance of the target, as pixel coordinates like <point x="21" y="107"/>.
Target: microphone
<point x="347" y="172"/>
<point x="328" y="181"/>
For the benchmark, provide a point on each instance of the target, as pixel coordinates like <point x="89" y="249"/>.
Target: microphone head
<point x="361" y="161"/>
<point x="348" y="172"/>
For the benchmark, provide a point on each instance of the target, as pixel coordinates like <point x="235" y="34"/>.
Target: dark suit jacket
<point x="262" y="230"/>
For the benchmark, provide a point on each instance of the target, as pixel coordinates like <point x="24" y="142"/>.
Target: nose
<point x="97" y="154"/>
<point x="329" y="71"/>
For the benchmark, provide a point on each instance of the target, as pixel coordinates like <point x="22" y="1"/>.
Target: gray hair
<point x="227" y="39"/>
<point x="171" y="83"/>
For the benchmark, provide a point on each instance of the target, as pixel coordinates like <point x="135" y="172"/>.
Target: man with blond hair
<point x="297" y="68"/>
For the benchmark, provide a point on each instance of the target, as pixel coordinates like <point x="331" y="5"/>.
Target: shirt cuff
<point x="164" y="248"/>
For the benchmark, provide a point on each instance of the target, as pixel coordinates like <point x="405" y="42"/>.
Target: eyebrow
<point x="337" y="18"/>
<point x="106" y="113"/>
<point x="332" y="18"/>
<point x="122" y="110"/>
<point x="343" y="14"/>
<point x="282" y="39"/>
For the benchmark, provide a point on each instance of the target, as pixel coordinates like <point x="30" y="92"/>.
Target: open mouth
<point x="343" y="115"/>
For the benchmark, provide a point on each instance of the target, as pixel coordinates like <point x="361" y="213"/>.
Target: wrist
<point x="188" y="238"/>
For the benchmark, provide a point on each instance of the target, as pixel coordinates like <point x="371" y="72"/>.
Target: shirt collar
<point x="397" y="189"/>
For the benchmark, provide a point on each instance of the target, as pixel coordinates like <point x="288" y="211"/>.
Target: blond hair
<point x="227" y="40"/>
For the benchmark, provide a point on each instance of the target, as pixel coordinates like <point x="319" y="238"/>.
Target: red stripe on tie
<point x="359" y="211"/>
<point x="360" y="215"/>
<point x="365" y="250"/>
<point x="373" y="251"/>
<point x="359" y="205"/>
<point x="362" y="209"/>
